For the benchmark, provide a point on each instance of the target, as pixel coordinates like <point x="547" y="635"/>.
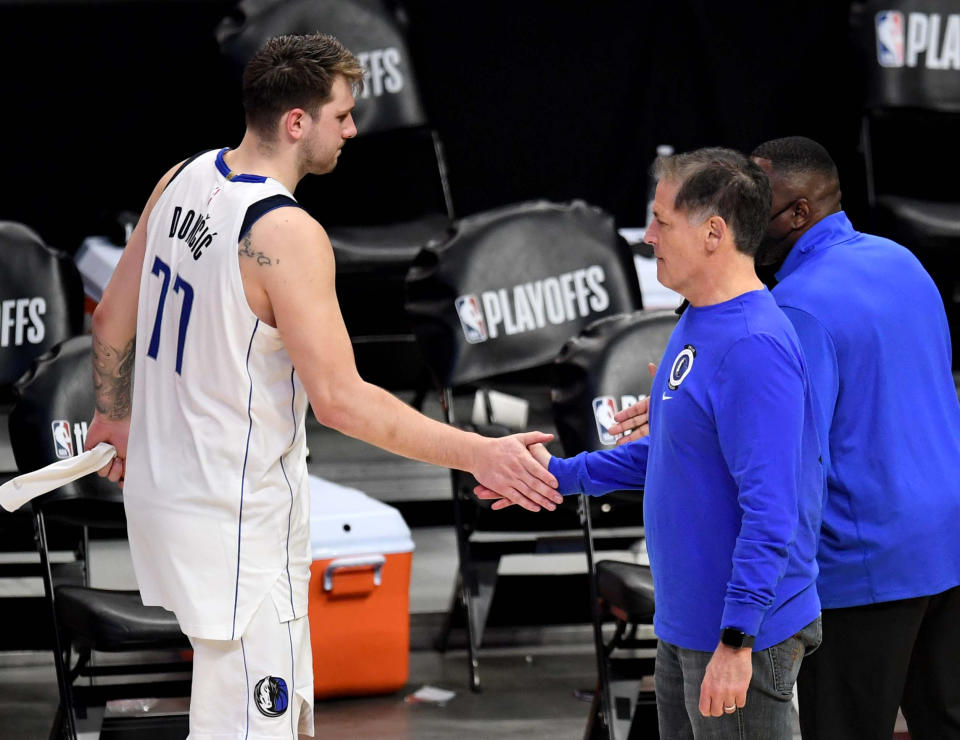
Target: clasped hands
<point x="632" y="423"/>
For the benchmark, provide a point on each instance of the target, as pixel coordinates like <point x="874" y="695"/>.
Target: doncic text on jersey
<point x="193" y="230"/>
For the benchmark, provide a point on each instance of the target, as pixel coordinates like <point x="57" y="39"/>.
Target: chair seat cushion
<point x="627" y="586"/>
<point x="116" y="620"/>
<point x="389" y="247"/>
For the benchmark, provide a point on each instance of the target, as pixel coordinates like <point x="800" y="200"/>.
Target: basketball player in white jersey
<point x="219" y="325"/>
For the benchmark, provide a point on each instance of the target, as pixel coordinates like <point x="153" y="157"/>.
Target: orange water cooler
<point x="359" y="593"/>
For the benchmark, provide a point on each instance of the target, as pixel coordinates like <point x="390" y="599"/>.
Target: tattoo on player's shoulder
<point x="247" y="250"/>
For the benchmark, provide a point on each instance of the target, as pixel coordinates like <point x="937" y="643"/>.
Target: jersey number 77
<point x="162" y="270"/>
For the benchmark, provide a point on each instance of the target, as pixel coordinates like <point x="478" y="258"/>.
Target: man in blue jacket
<point x="877" y="345"/>
<point x="731" y="470"/>
<point x="875" y="336"/>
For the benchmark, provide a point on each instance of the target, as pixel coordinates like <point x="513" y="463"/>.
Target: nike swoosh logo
<point x="665" y="397"/>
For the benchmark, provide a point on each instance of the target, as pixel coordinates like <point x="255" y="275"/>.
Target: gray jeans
<point x="768" y="711"/>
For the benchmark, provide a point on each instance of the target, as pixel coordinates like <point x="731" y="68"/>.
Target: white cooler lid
<point x="345" y="521"/>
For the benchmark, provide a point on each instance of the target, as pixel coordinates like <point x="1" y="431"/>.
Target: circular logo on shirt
<point x="681" y="367"/>
<point x="270" y="696"/>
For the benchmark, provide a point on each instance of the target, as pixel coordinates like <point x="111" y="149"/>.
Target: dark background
<point x="531" y="98"/>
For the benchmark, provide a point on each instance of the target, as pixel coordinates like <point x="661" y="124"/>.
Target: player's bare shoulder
<point x="288" y="233"/>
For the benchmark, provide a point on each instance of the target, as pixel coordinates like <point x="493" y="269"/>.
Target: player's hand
<point x="539" y="453"/>
<point x="508" y="470"/>
<point x="726" y="681"/>
<point x="115" y="432"/>
<point x="634" y="421"/>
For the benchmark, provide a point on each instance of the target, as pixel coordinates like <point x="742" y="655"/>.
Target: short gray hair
<point x="720" y="182"/>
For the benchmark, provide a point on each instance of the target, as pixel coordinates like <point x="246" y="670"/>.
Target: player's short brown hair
<point x="294" y="72"/>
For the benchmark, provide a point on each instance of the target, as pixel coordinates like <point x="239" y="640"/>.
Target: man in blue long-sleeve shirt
<point x="733" y="481"/>
<point x="875" y="334"/>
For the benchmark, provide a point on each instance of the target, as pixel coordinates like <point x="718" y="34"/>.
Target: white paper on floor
<point x="430" y="695"/>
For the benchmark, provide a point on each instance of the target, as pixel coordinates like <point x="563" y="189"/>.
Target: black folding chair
<point x="491" y="308"/>
<point x="389" y="195"/>
<point x="602" y="370"/>
<point x="48" y="422"/>
<point x="41" y="303"/>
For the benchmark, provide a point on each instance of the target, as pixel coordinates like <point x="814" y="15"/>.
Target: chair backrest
<point x="911" y="52"/>
<point x="513" y="285"/>
<point x="48" y="423"/>
<point x="396" y="162"/>
<point x="909" y="56"/>
<point x="602" y="371"/>
<point x="390" y="98"/>
<point x="41" y="301"/>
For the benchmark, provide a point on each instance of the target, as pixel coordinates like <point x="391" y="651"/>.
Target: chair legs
<point x="64" y="723"/>
<point x="621" y="708"/>
<point x="476" y="582"/>
<point x="596" y="721"/>
<point x="58" y="730"/>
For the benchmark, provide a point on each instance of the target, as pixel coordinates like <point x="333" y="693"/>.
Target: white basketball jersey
<point x="216" y="488"/>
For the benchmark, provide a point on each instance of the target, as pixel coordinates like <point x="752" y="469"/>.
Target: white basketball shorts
<point x="260" y="686"/>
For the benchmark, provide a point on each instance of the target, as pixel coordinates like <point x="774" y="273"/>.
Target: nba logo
<point x="603" y="411"/>
<point x="62" y="442"/>
<point x="471" y="318"/>
<point x="890" y="38"/>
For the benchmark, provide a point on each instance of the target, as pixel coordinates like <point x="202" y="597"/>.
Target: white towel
<point x="15" y="493"/>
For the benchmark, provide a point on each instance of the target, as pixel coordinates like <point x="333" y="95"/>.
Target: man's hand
<point x="726" y="681"/>
<point x="114" y="432"/>
<point x="634" y="421"/>
<point x="540" y="454"/>
<point x="507" y="470"/>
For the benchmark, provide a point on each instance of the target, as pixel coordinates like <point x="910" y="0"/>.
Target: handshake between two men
<point x="633" y="423"/>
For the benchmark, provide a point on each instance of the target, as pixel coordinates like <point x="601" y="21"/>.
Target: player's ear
<point x="294" y="123"/>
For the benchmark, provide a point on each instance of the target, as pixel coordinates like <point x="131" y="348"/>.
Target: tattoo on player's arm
<point x="113" y="378"/>
<point x="247" y="250"/>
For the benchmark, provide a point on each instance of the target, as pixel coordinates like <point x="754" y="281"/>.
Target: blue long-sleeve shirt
<point x="873" y="329"/>
<point x="732" y="478"/>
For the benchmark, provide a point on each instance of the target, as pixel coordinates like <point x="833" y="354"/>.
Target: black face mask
<point x="772" y="252"/>
<point x="783" y="210"/>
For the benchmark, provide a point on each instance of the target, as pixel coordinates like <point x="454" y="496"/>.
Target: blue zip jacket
<point x="875" y="335"/>
<point x="732" y="478"/>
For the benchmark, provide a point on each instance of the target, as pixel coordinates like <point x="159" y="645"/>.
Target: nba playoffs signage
<point x="381" y="72"/>
<point x="928" y="39"/>
<point x="526" y="307"/>
<point x="21" y="322"/>
<point x="66" y="444"/>
<point x="914" y="48"/>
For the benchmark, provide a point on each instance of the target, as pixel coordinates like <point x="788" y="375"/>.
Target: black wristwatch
<point x="732" y="637"/>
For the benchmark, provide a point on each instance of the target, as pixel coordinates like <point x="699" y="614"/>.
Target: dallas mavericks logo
<point x="471" y="318"/>
<point x="271" y="696"/>
<point x="681" y="367"/>
<point x="890" y="38"/>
